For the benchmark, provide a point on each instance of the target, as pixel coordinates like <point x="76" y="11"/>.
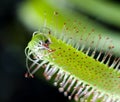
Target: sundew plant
<point x="79" y="70"/>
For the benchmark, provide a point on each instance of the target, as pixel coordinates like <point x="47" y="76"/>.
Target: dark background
<point x="13" y="39"/>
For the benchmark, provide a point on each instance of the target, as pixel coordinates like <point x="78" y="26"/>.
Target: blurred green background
<point x="20" y="18"/>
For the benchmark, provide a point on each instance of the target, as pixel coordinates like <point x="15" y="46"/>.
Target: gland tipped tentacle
<point x="101" y="50"/>
<point x="53" y="71"/>
<point x="66" y="83"/>
<point x="74" y="90"/>
<point x="59" y="77"/>
<point x="38" y="67"/>
<point x="70" y="86"/>
<point x="109" y="59"/>
<point x="47" y="68"/>
<point x="115" y="61"/>
<point x="94" y="51"/>
<point x="61" y="89"/>
<point x="118" y="65"/>
<point x="107" y="54"/>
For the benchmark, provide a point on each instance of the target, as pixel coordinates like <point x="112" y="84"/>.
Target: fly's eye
<point x="47" y="41"/>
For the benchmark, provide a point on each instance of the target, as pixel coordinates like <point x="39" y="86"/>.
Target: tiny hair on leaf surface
<point x="78" y="70"/>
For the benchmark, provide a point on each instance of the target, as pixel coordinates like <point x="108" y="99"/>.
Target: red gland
<point x="28" y="75"/>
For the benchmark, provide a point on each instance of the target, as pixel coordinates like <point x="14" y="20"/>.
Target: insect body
<point x="80" y="76"/>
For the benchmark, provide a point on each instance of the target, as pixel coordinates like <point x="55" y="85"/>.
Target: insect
<point x="79" y="72"/>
